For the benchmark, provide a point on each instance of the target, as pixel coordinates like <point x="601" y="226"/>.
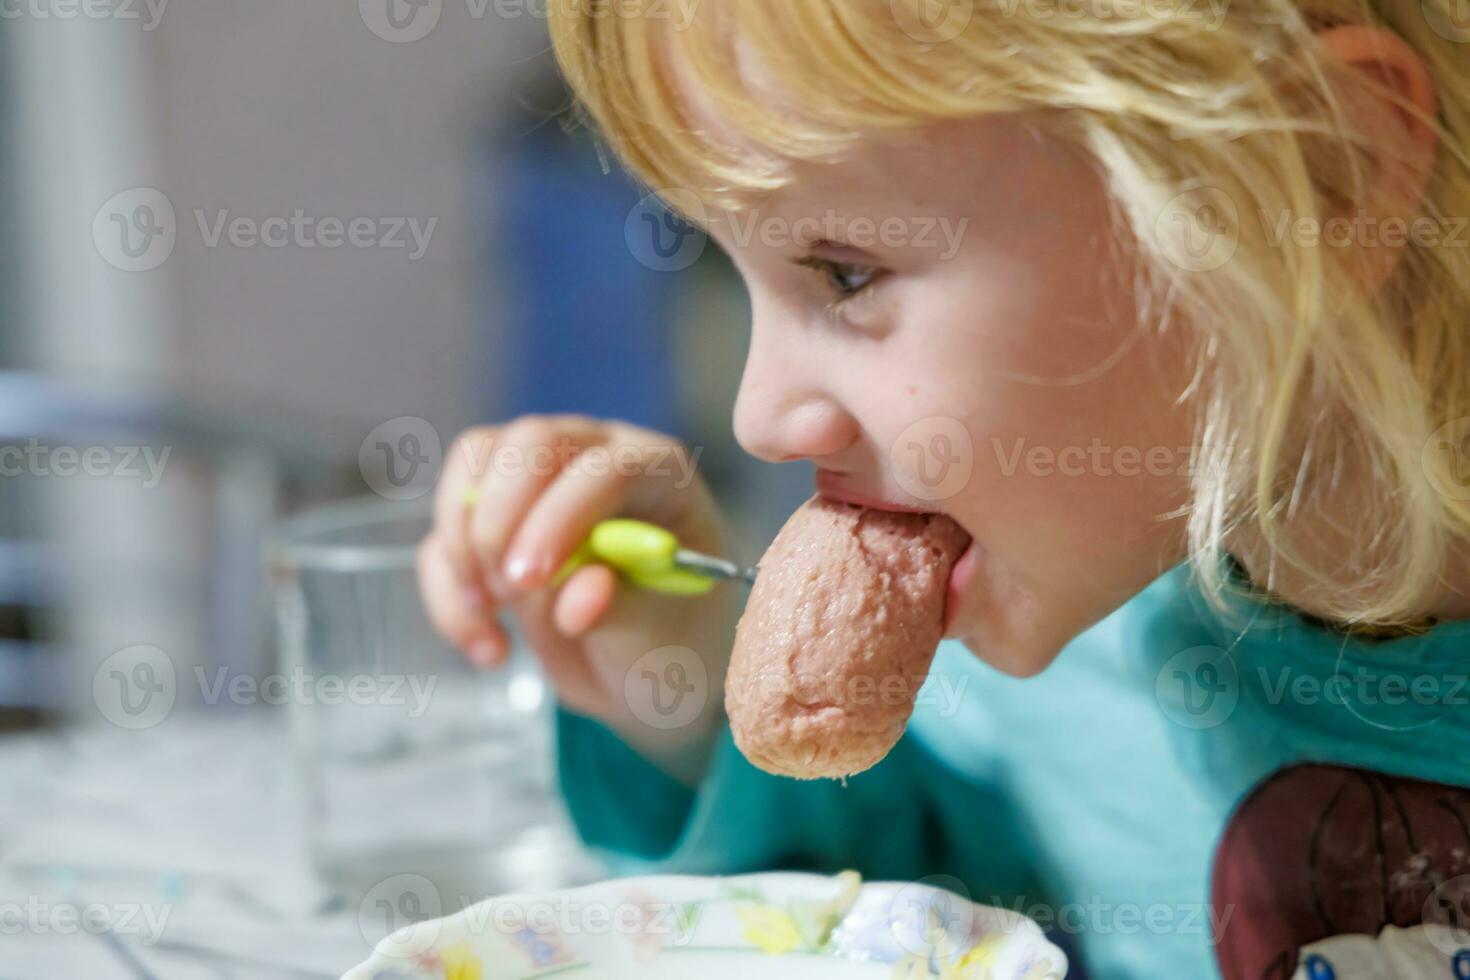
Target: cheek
<point x="1079" y="469"/>
<point x="1067" y="404"/>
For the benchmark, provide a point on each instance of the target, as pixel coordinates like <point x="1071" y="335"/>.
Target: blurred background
<point x="260" y="259"/>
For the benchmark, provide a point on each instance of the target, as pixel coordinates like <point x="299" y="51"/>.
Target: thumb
<point x="584" y="599"/>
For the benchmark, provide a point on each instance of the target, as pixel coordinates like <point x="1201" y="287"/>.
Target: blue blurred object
<point x="581" y="324"/>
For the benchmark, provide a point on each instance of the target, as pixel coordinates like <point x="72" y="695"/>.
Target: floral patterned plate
<point x="753" y="927"/>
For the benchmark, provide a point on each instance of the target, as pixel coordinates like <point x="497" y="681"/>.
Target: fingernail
<point x="485" y="652"/>
<point x="518" y="569"/>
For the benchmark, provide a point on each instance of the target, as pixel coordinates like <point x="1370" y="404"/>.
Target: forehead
<point x="931" y="165"/>
<point x="706" y="120"/>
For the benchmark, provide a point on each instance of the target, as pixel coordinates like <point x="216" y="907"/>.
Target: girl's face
<point x="945" y="322"/>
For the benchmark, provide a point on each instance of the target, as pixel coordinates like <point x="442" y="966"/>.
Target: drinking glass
<point x="413" y="762"/>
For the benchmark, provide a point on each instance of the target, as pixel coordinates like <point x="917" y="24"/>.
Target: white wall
<point x="258" y="108"/>
<point x="268" y="106"/>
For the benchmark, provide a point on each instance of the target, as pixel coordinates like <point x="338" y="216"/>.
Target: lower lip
<point x="833" y="489"/>
<point x="960" y="578"/>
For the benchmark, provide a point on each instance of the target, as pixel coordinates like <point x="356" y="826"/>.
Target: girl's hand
<point x="542" y="483"/>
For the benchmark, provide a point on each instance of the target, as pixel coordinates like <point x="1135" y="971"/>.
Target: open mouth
<point x="832" y="486"/>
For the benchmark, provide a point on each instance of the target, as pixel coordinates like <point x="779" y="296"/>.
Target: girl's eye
<point x="843" y="279"/>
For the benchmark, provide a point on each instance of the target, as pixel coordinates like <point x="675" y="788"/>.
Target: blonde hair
<point x="1302" y="372"/>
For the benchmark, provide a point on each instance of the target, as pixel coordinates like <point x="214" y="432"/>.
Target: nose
<point x="784" y="411"/>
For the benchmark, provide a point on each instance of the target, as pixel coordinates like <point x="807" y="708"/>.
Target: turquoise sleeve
<point x="739" y="819"/>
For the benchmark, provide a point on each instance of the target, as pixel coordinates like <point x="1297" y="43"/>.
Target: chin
<point x="1011" y="660"/>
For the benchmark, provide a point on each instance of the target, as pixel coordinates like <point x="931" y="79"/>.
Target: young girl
<point x="1190" y="365"/>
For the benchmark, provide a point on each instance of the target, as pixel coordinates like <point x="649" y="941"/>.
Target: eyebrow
<point x="827" y="244"/>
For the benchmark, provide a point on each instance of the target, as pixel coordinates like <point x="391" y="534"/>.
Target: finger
<point x="584" y="599"/>
<point x="467" y="461"/>
<point x="562" y="517"/>
<point x="530" y="456"/>
<point x="466" y="618"/>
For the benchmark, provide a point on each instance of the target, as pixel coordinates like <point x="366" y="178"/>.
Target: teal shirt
<point x="1173" y="798"/>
